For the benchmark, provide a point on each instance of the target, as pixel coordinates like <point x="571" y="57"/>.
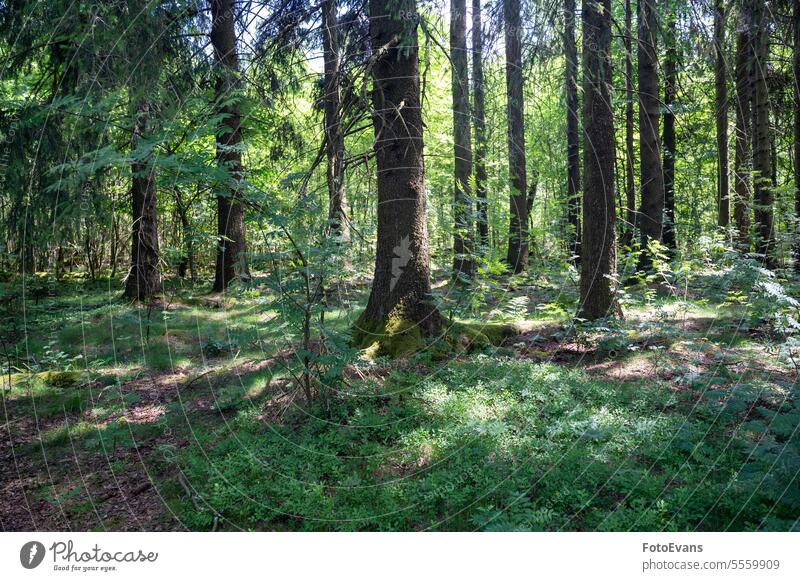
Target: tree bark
<point x="479" y="116"/>
<point x="598" y="263"/>
<point x="796" y="67"/>
<point x="334" y="134"/>
<point x="651" y="175"/>
<point x="670" y="142"/>
<point x="630" y="186"/>
<point x="144" y="277"/>
<point x="401" y="288"/>
<point x="721" y="97"/>
<point x="762" y="145"/>
<point x="573" y="129"/>
<point x="463" y="264"/>
<point x="742" y="157"/>
<point x="517" y="257"/>
<point x="231" y="263"/>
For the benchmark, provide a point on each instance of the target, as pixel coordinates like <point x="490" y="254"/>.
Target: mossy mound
<point x="397" y="336"/>
<point x="60" y="379"/>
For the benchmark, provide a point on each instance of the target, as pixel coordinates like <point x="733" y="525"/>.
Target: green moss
<point x="397" y="336"/>
<point x="480" y="335"/>
<point x="60" y="378"/>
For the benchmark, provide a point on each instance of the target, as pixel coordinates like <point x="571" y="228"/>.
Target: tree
<point x="517" y="257"/>
<point x="144" y="277"/>
<point x="462" y="205"/>
<point x="573" y="128"/>
<point x="479" y="116"/>
<point x="796" y="168"/>
<point x="761" y="136"/>
<point x="598" y="262"/>
<point x="231" y="248"/>
<point x="651" y="176"/>
<point x="742" y="158"/>
<point x="399" y="310"/>
<point x="669" y="138"/>
<point x="721" y="117"/>
<point x="334" y="134"/>
<point x="630" y="186"/>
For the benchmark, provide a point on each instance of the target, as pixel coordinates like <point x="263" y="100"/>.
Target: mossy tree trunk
<point x="399" y="307"/>
<point x="598" y="262"/>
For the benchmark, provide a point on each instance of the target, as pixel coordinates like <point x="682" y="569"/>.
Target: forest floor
<point x="186" y="416"/>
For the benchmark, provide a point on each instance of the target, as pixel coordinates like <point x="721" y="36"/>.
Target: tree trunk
<point x="630" y="160"/>
<point x="742" y="158"/>
<point x="231" y="263"/>
<point x="517" y="257"/>
<point x="573" y="129"/>
<point x="796" y="64"/>
<point x="652" y="178"/>
<point x="721" y="94"/>
<point x="334" y="135"/>
<point x="762" y="146"/>
<point x="598" y="263"/>
<point x="462" y="205"/>
<point x="670" y="92"/>
<point x="144" y="278"/>
<point x="399" y="310"/>
<point x="479" y="116"/>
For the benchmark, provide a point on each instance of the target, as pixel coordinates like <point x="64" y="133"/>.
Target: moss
<point x="397" y="336"/>
<point x="60" y="378"/>
<point x="480" y="335"/>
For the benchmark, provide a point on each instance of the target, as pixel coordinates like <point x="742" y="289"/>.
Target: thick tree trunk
<point x="400" y="299"/>
<point x="762" y="145"/>
<point x="598" y="263"/>
<point x="742" y="158"/>
<point x="463" y="263"/>
<point x="797" y="133"/>
<point x="144" y="278"/>
<point x="670" y="92"/>
<point x="573" y="129"/>
<point x="479" y="116"/>
<point x="651" y="175"/>
<point x="231" y="263"/>
<point x="334" y="134"/>
<point x="517" y="257"/>
<point x="721" y="97"/>
<point x="630" y="185"/>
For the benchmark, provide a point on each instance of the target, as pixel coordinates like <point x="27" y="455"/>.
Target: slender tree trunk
<point x="144" y="278"/>
<point x="479" y="116"/>
<point x="462" y="204"/>
<point x="518" y="230"/>
<point x="742" y="157"/>
<point x="651" y="175"/>
<point x="573" y="129"/>
<point x="670" y="142"/>
<point x="334" y="135"/>
<point x="401" y="288"/>
<point x="721" y="94"/>
<point x="231" y="248"/>
<point x="762" y="145"/>
<point x="796" y="67"/>
<point x="630" y="159"/>
<point x="598" y="262"/>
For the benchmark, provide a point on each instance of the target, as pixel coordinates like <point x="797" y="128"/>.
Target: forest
<point x="400" y="265"/>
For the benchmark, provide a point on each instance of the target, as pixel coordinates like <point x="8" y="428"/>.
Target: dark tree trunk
<point x="651" y="176"/>
<point x="479" y="116"/>
<point x="518" y="229"/>
<point x="334" y="134"/>
<point x="797" y="133"/>
<point x="462" y="205"/>
<point x="670" y="92"/>
<point x="401" y="288"/>
<point x="721" y="94"/>
<point x="573" y="129"/>
<point x="630" y="159"/>
<point x="598" y="263"/>
<point x="231" y="263"/>
<point x="144" y="278"/>
<point x="742" y="158"/>
<point x="762" y="144"/>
